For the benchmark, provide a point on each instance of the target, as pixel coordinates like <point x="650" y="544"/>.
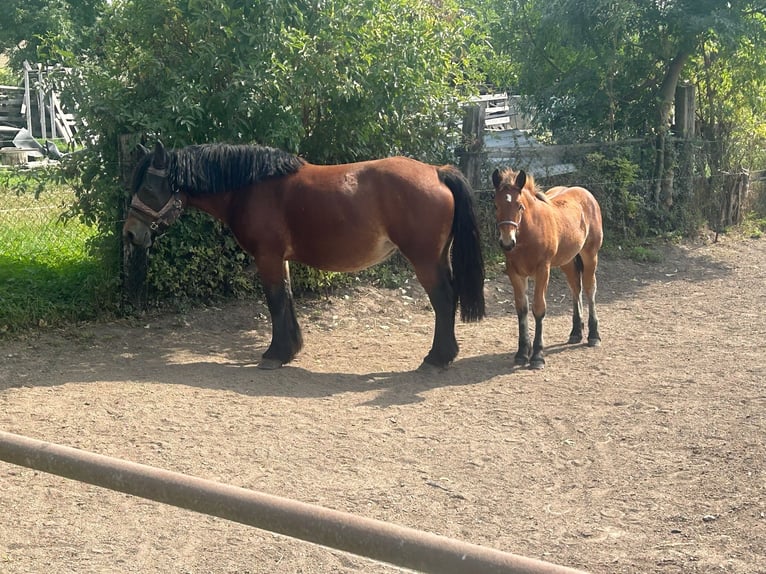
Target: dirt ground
<point x="646" y="455"/>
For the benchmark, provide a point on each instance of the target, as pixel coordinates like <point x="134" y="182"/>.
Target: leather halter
<point x="167" y="214"/>
<point x="508" y="222"/>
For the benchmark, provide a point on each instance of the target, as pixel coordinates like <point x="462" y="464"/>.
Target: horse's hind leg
<point x="286" y="338"/>
<point x="573" y="273"/>
<point x="589" y="284"/>
<point x="436" y="279"/>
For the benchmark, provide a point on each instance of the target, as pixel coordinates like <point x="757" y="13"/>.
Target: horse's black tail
<point x="467" y="258"/>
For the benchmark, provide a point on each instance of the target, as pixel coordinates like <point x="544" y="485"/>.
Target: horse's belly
<point x="345" y="256"/>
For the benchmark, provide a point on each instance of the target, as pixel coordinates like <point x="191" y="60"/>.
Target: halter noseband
<point x="508" y="222"/>
<point x="514" y="224"/>
<point x="167" y="214"/>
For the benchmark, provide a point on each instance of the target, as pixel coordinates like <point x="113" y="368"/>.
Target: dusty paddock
<point x="646" y="455"/>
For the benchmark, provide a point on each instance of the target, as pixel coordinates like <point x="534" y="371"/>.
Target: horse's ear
<point x="521" y="179"/>
<point x="160" y="158"/>
<point x="496" y="178"/>
<point x="142" y="150"/>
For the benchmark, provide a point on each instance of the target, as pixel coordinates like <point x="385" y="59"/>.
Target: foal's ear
<point x="160" y="159"/>
<point x="496" y="178"/>
<point x="521" y="179"/>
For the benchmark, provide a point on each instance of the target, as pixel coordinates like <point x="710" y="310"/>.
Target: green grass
<point x="47" y="276"/>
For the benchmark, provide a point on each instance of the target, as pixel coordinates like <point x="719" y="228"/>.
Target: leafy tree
<point x="603" y="69"/>
<point x="28" y="26"/>
<point x="333" y="80"/>
<point x="730" y="84"/>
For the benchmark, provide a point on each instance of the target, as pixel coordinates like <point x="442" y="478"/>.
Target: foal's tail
<point x="579" y="265"/>
<point x="467" y="259"/>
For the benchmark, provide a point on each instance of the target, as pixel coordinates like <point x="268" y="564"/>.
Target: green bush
<point x="612" y="180"/>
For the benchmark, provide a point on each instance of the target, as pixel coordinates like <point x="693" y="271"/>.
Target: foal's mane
<point x="530" y="185"/>
<point x="214" y="168"/>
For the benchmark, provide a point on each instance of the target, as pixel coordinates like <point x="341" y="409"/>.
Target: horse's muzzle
<point x="509" y="245"/>
<point x="140" y="237"/>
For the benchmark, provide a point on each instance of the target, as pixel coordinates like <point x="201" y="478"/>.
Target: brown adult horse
<point x="560" y="228"/>
<point x="348" y="217"/>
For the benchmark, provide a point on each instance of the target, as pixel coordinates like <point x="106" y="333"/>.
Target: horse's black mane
<point x="214" y="168"/>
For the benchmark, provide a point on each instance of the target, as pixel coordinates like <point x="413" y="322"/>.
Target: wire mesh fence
<point x="46" y="272"/>
<point x="34" y="229"/>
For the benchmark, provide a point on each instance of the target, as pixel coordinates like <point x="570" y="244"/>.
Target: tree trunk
<point x="664" y="153"/>
<point x="733" y="193"/>
<point x="134" y="261"/>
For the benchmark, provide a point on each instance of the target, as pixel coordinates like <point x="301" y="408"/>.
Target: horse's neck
<point x="532" y="199"/>
<point x="216" y="205"/>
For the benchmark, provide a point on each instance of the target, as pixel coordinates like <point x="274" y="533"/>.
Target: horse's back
<point x="347" y="217"/>
<point x="579" y="219"/>
<point x="574" y="198"/>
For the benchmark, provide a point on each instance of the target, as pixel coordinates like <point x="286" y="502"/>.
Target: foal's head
<point x="510" y="203"/>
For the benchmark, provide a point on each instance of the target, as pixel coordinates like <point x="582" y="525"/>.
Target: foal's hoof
<point x="520" y="360"/>
<point x="537" y="364"/>
<point x="594" y="342"/>
<point x="574" y="339"/>
<point x="269" y="364"/>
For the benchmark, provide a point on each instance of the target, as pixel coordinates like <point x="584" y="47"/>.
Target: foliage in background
<point x="46" y="273"/>
<point x="29" y="26"/>
<point x="343" y="81"/>
<point x="730" y="83"/>
<point x="613" y="179"/>
<point x="595" y="71"/>
<point x="333" y="81"/>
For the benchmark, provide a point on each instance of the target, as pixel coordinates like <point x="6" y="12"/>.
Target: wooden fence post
<point x="471" y="152"/>
<point x="134" y="260"/>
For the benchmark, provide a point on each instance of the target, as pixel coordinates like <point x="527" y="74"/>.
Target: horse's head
<point x="155" y="204"/>
<point x="509" y="204"/>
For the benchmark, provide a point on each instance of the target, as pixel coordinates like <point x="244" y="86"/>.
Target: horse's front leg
<point x="286" y="338"/>
<point x="521" y="302"/>
<point x="537" y="361"/>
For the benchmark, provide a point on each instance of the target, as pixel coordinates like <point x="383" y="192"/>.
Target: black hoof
<point x="520" y="359"/>
<point x="537" y="364"/>
<point x="431" y="368"/>
<point x="574" y="339"/>
<point x="269" y="364"/>
<point x="437" y="360"/>
<point x="594" y="342"/>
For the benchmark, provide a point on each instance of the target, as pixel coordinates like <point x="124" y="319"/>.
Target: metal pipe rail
<point x="375" y="539"/>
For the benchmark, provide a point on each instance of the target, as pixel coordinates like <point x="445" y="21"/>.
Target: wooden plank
<point x="489" y="97"/>
<point x="493" y="122"/>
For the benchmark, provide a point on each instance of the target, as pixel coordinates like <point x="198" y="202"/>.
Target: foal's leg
<point x="590" y="264"/>
<point x="436" y="279"/>
<point x="286" y="338"/>
<point x="574" y="279"/>
<point x="538" y="309"/>
<point x="521" y="302"/>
